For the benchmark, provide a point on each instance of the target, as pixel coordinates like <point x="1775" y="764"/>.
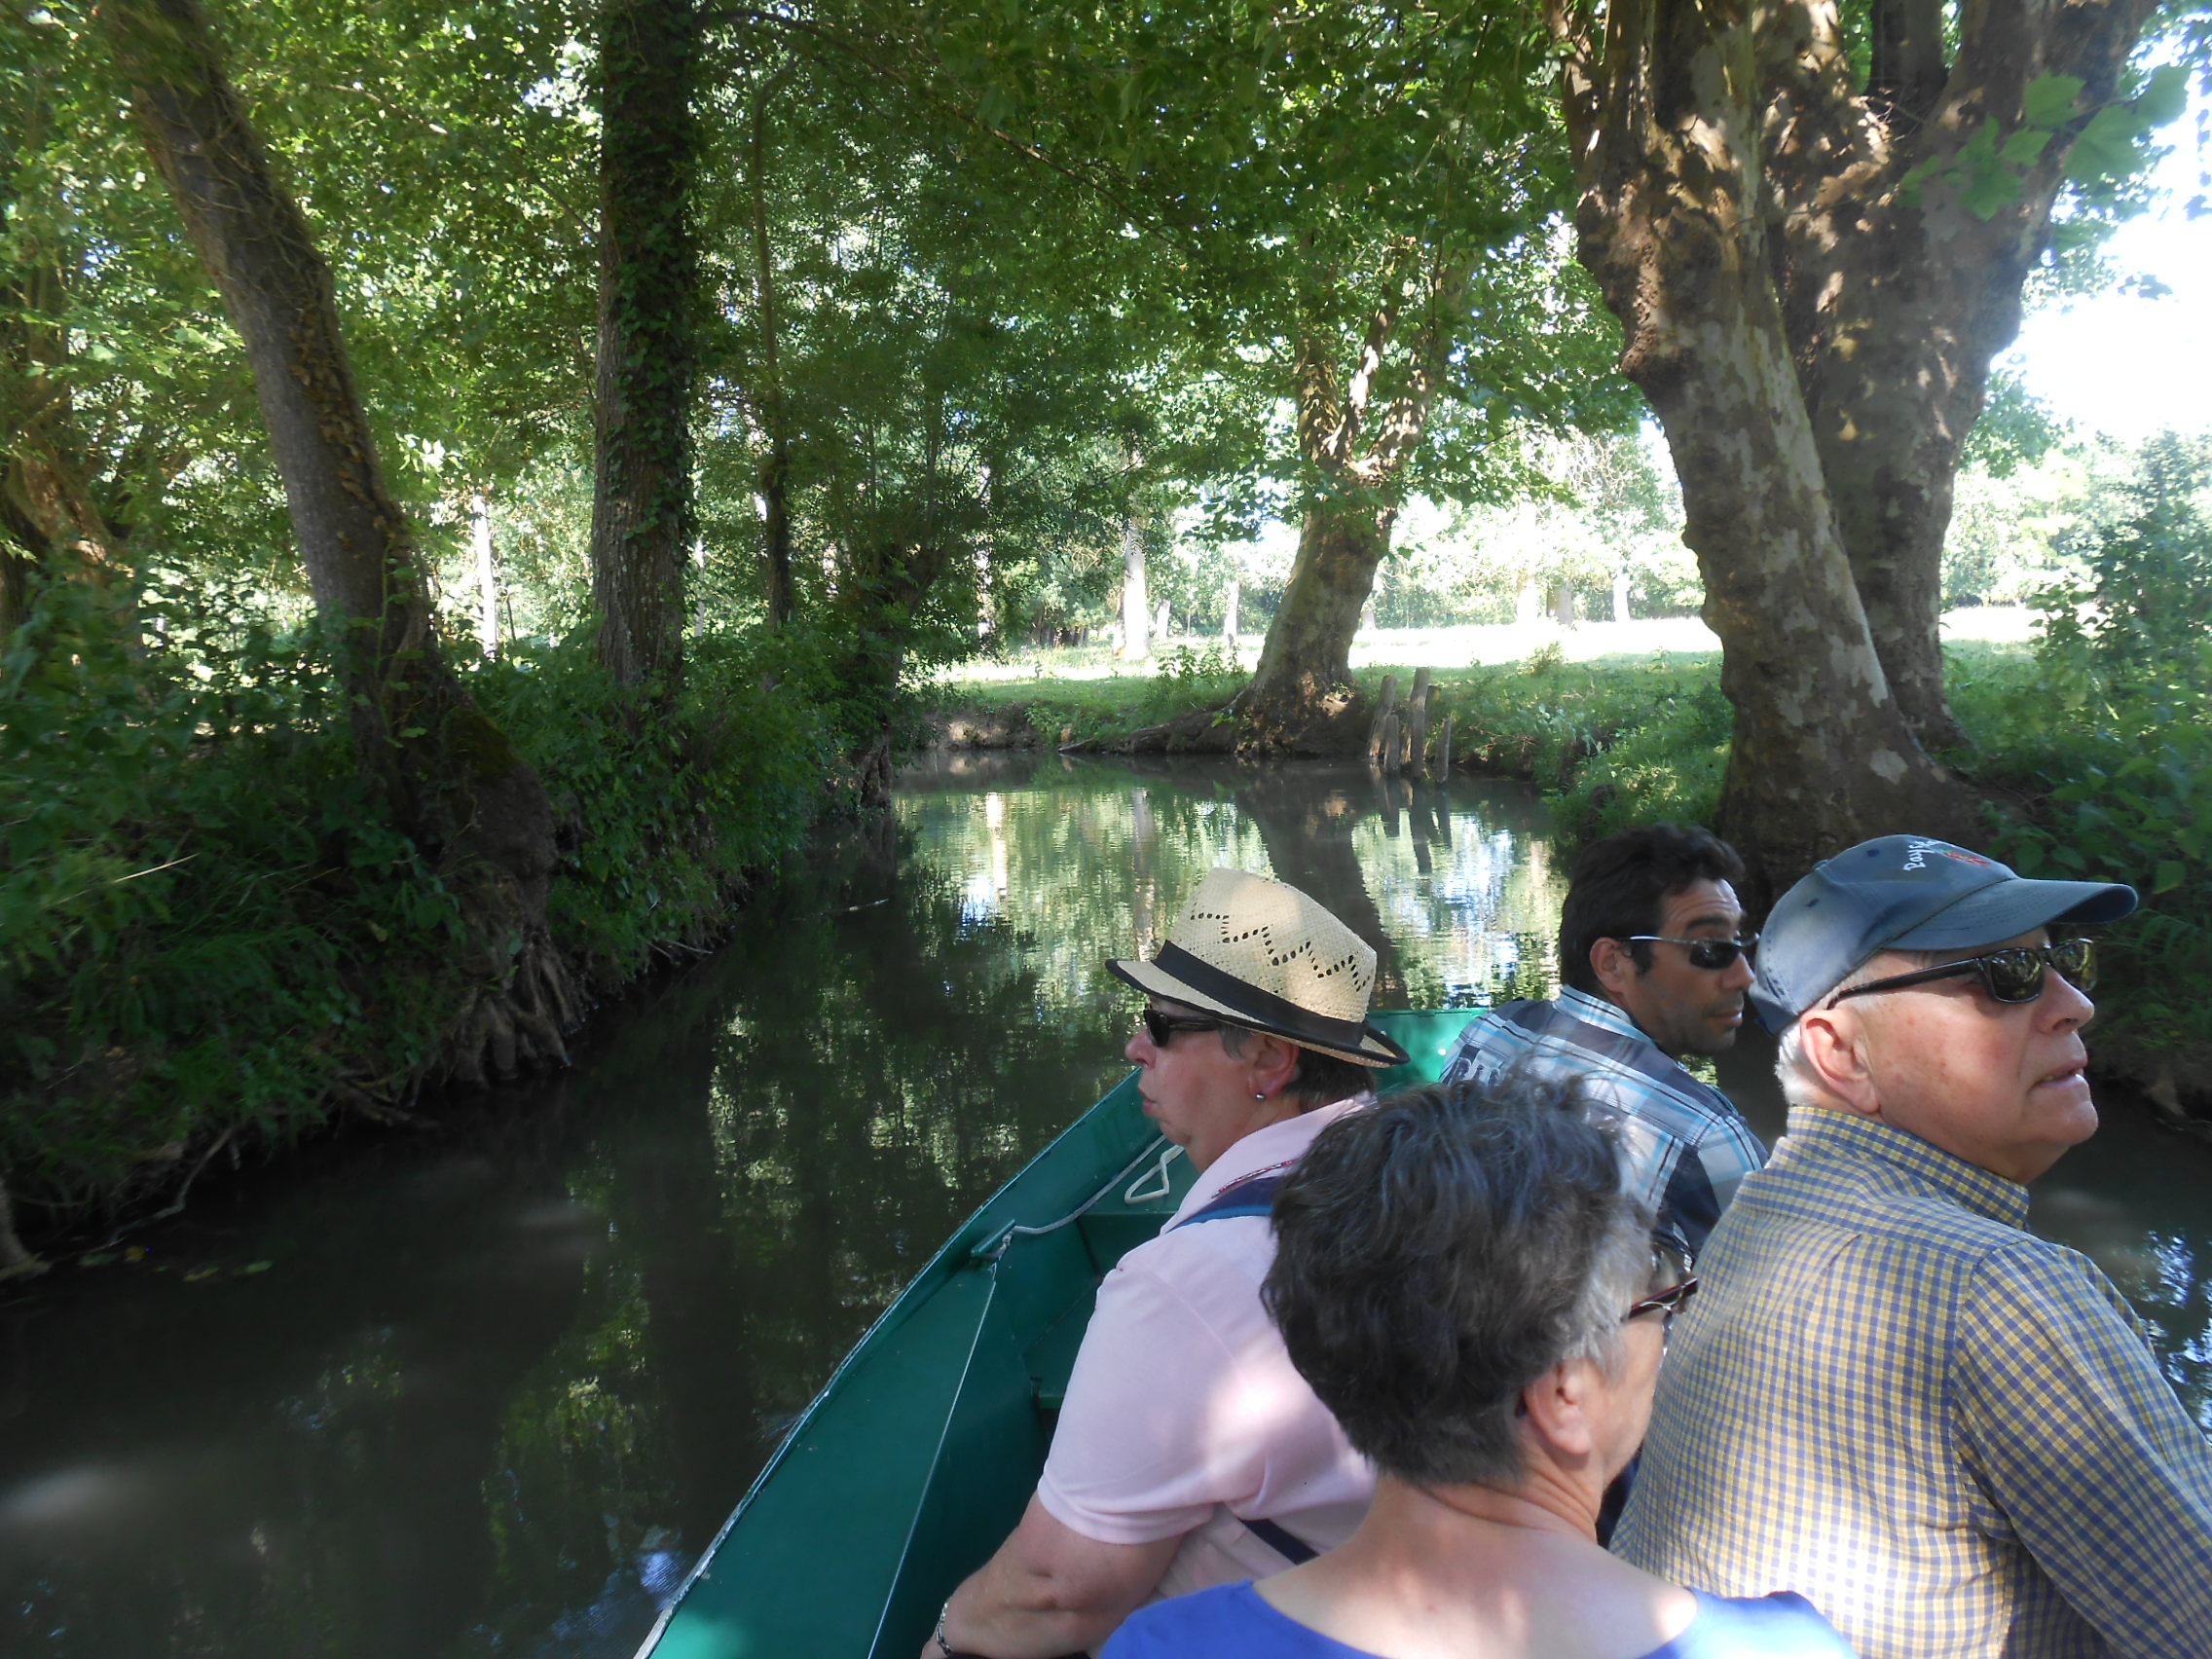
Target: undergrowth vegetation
<point x="211" y="936"/>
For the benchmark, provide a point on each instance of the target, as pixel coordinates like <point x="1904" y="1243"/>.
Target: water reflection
<point x="496" y="1387"/>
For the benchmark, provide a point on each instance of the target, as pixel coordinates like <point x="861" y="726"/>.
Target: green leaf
<point x="2049" y="99"/>
<point x="1990" y="190"/>
<point x="2024" y="148"/>
<point x="2166" y="97"/>
<point x="2171" y="874"/>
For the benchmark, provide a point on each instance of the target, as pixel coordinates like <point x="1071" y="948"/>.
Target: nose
<point x="2067" y="1002"/>
<point x="1138" y="1050"/>
<point x="1737" y="976"/>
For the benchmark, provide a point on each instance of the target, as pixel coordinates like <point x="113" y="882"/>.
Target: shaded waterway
<point x="487" y="1390"/>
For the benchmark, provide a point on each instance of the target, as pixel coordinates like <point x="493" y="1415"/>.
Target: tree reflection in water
<point x="499" y="1383"/>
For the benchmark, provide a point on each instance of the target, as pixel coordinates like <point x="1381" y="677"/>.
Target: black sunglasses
<point x="2013" y="974"/>
<point x="1161" y="1027"/>
<point x="1711" y="954"/>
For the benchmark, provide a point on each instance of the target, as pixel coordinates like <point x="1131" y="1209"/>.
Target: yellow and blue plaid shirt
<point x="1948" y="1434"/>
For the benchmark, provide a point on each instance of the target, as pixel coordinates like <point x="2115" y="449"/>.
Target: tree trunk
<point x="487" y="572"/>
<point x="16" y="567"/>
<point x="1563" y="605"/>
<point x="641" y="529"/>
<point x="1664" y="127"/>
<point x="1303" y="681"/>
<point x="880" y="591"/>
<point x="1896" y="300"/>
<point x="457" y="787"/>
<point x="768" y="389"/>
<point x="1136" y="609"/>
<point x="1620" y="596"/>
<point x="1230" y="601"/>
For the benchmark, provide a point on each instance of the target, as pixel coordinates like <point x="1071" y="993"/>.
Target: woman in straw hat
<point x="1189" y="1452"/>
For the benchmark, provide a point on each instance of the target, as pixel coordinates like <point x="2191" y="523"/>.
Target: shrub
<point x="211" y="933"/>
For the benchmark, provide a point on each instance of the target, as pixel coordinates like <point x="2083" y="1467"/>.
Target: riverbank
<point x="2108" y="786"/>
<point x="214" y="944"/>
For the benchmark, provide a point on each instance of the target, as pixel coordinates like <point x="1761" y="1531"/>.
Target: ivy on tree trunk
<point x="642" y="516"/>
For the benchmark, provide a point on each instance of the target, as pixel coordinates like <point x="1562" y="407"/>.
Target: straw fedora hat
<point x="1267" y="957"/>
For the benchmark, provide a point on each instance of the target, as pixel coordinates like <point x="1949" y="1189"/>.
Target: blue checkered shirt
<point x="1947" y="1433"/>
<point x="1684" y="1143"/>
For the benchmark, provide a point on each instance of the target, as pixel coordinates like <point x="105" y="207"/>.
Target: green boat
<point x="918" y="1457"/>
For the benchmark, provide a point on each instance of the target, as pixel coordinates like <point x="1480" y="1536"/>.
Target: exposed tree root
<point x="1331" y="726"/>
<point x="516" y="1022"/>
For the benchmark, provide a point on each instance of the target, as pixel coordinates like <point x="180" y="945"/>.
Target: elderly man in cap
<point x="1946" y="1432"/>
<point x="1189" y="1450"/>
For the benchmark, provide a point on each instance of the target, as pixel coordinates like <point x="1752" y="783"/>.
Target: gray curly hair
<point x="1439" y="1253"/>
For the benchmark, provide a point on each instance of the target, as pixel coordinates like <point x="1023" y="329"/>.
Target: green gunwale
<point x="919" y="1454"/>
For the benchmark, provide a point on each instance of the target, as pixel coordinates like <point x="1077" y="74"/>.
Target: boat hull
<point x="919" y="1456"/>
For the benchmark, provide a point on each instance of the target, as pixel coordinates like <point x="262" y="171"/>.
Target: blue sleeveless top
<point x="1233" y="1621"/>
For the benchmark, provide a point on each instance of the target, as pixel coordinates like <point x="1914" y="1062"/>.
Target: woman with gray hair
<point x="1461" y="1279"/>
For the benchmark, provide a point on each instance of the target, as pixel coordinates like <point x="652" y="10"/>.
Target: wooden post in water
<point x="1416" y="725"/>
<point x="1376" y="754"/>
<point x="1390" y="746"/>
<point x="1444" y="753"/>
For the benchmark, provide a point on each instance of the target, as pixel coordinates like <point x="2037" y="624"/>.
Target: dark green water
<point x="496" y="1382"/>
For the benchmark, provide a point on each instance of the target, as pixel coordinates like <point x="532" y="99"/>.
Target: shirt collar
<point x="1596" y="1011"/>
<point x="1262" y="1149"/>
<point x="1968" y="1185"/>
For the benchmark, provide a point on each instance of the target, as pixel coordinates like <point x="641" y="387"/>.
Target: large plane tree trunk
<point x="457" y="785"/>
<point x="1896" y="295"/>
<point x="1303" y="683"/>
<point x="1356" y="446"/>
<point x="1665" y="119"/>
<point x="640" y="524"/>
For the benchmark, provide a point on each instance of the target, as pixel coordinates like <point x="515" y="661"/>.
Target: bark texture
<point x="641" y="528"/>
<point x="1897" y="297"/>
<point x="1665" y="114"/>
<point x="457" y="787"/>
<point x="1356" y="445"/>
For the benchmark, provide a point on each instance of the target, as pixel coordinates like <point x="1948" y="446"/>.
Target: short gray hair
<point x="1800" y="1086"/>
<point x="1441" y="1252"/>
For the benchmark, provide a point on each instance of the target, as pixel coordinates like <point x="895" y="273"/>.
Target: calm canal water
<point x="487" y="1390"/>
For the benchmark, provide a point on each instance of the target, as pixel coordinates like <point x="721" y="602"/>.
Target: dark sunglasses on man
<point x="1711" y="954"/>
<point x="2013" y="974"/>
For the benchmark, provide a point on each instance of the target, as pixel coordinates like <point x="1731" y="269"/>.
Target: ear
<point x="1613" y="962"/>
<point x="1835" y="1046"/>
<point x="1556" y="1406"/>
<point x="1270" y="1062"/>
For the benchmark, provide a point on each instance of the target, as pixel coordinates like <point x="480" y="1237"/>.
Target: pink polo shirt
<point x="1185" y="1416"/>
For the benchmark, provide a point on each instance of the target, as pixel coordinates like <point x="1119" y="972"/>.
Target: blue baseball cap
<point x="1904" y="892"/>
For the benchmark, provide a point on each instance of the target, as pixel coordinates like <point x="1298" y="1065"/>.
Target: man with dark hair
<point x="1654" y="965"/>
